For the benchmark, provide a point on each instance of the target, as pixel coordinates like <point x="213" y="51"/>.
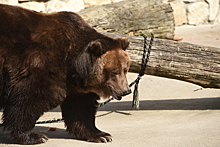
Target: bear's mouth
<point x="114" y="94"/>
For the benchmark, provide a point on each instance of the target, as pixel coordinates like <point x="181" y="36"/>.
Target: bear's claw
<point x="107" y="139"/>
<point x="32" y="138"/>
<point x="104" y="139"/>
<point x="101" y="138"/>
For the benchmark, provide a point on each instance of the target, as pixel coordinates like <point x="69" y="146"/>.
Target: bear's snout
<point x="127" y="92"/>
<point x="117" y="94"/>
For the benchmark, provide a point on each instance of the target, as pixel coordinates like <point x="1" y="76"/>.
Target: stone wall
<point x="192" y="12"/>
<point x="196" y="12"/>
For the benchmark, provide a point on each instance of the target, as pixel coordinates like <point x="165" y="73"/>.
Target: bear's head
<point x="103" y="68"/>
<point x="116" y="65"/>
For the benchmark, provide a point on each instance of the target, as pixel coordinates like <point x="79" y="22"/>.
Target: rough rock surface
<point x="10" y="2"/>
<point x="179" y="12"/>
<point x="213" y="9"/>
<point x="198" y="13"/>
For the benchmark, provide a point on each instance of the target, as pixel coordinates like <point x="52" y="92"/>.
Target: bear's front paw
<point x="31" y="138"/>
<point x="101" y="138"/>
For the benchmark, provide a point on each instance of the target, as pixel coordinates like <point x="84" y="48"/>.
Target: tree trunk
<point x="177" y="60"/>
<point x="135" y="17"/>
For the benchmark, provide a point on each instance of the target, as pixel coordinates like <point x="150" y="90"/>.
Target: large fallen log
<point x="135" y="17"/>
<point x="177" y="60"/>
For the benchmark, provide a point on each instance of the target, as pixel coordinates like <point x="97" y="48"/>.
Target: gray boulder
<point x="198" y="13"/>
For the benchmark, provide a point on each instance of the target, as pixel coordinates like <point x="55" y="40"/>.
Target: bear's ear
<point x="95" y="47"/>
<point x="124" y="43"/>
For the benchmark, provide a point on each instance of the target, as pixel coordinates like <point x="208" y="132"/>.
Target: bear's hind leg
<point x="29" y="96"/>
<point x="79" y="111"/>
<point x="19" y="121"/>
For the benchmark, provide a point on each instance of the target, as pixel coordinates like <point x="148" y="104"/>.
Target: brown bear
<point x="47" y="60"/>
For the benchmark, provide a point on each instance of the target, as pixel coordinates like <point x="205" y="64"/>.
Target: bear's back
<point x="22" y="29"/>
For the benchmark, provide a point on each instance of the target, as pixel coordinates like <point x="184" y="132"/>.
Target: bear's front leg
<point x="79" y="111"/>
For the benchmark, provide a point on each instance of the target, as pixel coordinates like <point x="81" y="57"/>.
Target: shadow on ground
<point x="176" y="104"/>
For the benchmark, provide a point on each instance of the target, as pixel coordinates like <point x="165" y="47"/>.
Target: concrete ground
<point x="172" y="113"/>
<point x="207" y="35"/>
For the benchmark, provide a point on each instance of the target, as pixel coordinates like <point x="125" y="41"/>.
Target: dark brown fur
<point x="47" y="60"/>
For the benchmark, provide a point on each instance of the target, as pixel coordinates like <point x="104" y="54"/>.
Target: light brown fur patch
<point x="110" y="71"/>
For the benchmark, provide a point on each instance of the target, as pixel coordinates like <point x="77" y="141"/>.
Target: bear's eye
<point x="115" y="73"/>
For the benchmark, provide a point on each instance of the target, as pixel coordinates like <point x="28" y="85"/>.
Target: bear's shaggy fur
<point x="47" y="60"/>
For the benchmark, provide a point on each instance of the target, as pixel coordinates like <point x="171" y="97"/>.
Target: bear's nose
<point x="126" y="92"/>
